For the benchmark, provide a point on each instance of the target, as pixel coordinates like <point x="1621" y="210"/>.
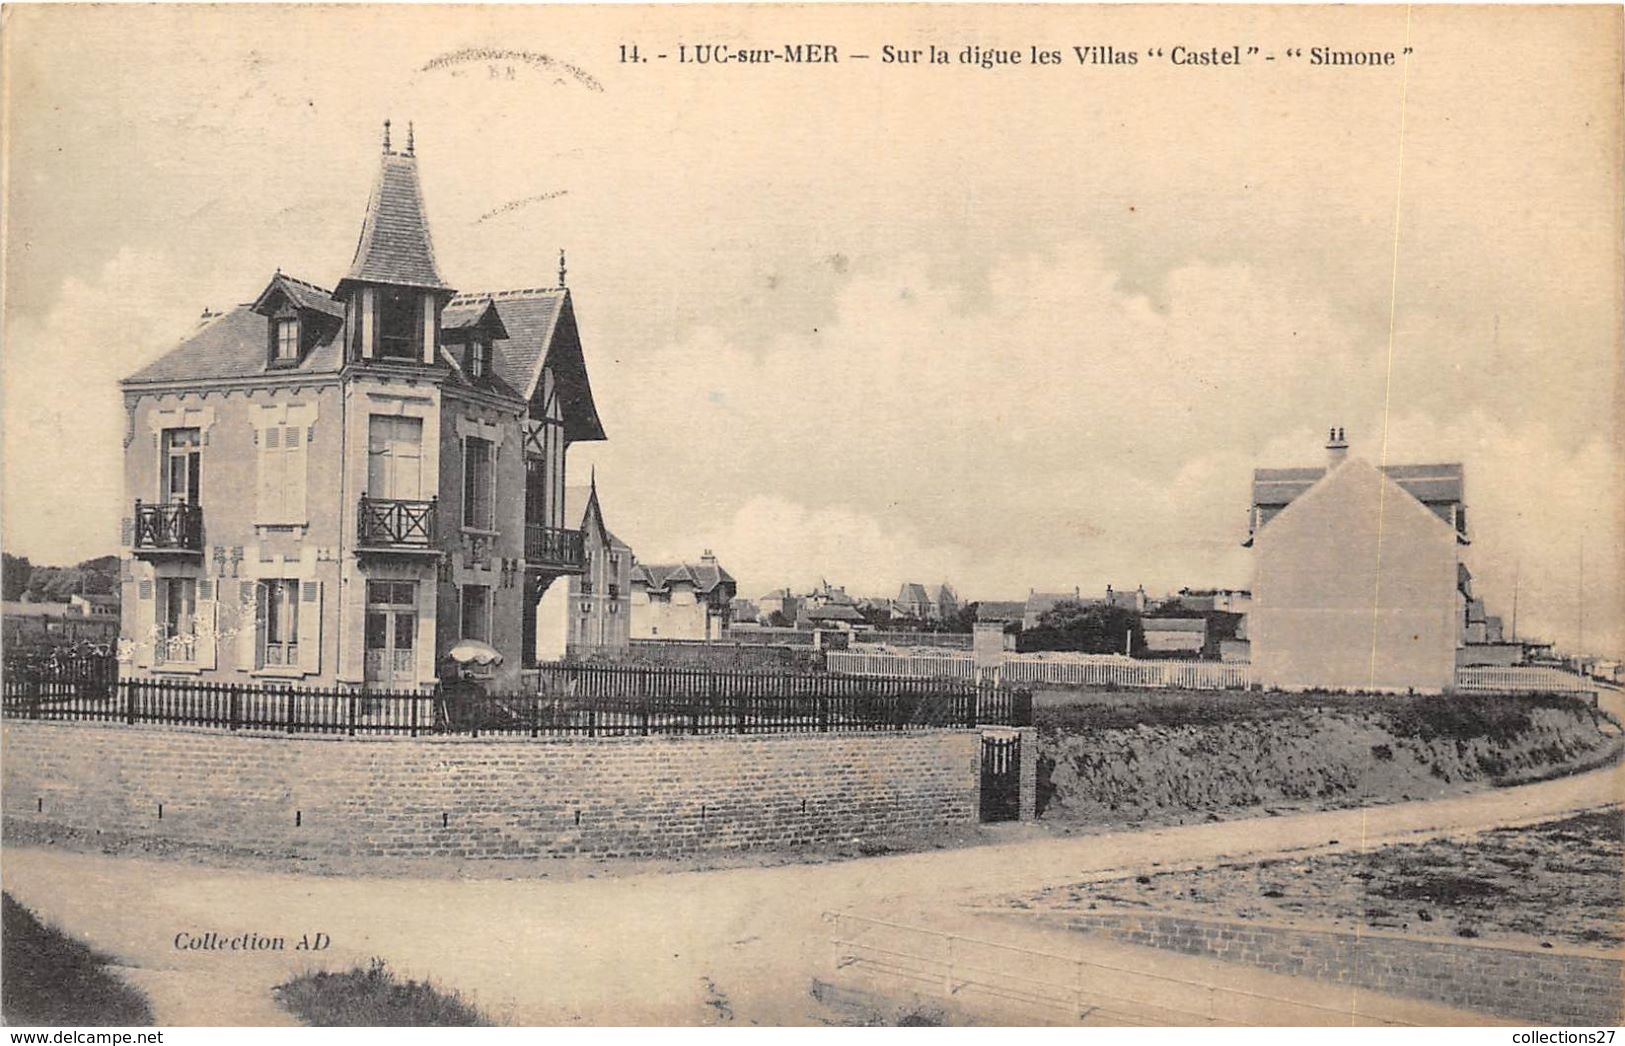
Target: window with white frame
<point x="279" y="613"/>
<point x="177" y="624"/>
<point x="287" y="340"/>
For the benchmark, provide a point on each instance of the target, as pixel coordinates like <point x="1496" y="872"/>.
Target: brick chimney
<point x="1337" y="448"/>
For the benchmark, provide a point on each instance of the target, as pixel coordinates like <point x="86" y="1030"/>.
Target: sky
<point x="1012" y="328"/>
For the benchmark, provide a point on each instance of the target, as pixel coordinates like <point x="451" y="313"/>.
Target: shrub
<point x="374" y="998"/>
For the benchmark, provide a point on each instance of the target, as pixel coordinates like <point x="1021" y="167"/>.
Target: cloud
<point x="1067" y="431"/>
<point x="64" y="418"/>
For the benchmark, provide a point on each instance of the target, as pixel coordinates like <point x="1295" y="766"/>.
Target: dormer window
<point x="287" y="340"/>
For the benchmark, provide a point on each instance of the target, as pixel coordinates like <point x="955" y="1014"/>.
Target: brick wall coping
<point x="489" y="738"/>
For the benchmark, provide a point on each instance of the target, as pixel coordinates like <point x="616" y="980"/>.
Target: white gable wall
<point x="1355" y="589"/>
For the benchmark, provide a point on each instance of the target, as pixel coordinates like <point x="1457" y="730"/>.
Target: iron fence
<point x="569" y="700"/>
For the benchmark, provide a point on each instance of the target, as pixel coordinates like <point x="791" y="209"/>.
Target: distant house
<point x="945" y="602"/>
<point x="1126" y="599"/>
<point x="1234" y="600"/>
<point x="1003" y="612"/>
<point x="592" y="614"/>
<point x="779" y="601"/>
<point x="1355" y="574"/>
<point x="1040" y="603"/>
<point x="912" y="602"/>
<point x="96" y="606"/>
<point x="743" y="611"/>
<point x="828" y="615"/>
<point x="681" y="600"/>
<point x="1174" y="635"/>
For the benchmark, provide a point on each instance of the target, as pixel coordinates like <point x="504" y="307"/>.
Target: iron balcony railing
<point x="553" y="547"/>
<point x="175" y="527"/>
<point x="395" y="523"/>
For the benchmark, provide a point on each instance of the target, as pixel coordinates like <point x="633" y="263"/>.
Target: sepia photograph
<point x="812" y="515"/>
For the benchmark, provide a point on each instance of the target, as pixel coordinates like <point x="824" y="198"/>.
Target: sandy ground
<point x="734" y="945"/>
<point x="1554" y="884"/>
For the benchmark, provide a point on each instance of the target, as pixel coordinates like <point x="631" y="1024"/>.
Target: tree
<point x="1091" y="628"/>
<point x="778" y="620"/>
<point x="14" y="574"/>
<point x="961" y="620"/>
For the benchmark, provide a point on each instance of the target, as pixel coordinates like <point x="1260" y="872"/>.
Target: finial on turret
<point x="411" y="140"/>
<point x="386" y="135"/>
<point x="561" y="268"/>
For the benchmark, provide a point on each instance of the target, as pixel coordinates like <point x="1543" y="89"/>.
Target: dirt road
<point x="736" y="945"/>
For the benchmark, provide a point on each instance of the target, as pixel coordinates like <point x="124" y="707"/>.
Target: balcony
<point x="175" y="529"/>
<point x="395" y="525"/>
<point x="553" y="549"/>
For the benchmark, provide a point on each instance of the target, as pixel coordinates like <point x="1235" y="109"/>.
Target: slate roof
<point x="394" y="246"/>
<point x="1429" y="484"/>
<point x="705" y="577"/>
<point x="303" y="294"/>
<point x="1000" y="610"/>
<point x="1040" y="602"/>
<point x="832" y="612"/>
<point x="233" y="345"/>
<point x="576" y="498"/>
<point x="540" y="324"/>
<point x="467" y="312"/>
<point x="1440" y="487"/>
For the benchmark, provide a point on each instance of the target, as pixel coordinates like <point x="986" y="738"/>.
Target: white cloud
<point x="1071" y="433"/>
<point x="64" y="418"/>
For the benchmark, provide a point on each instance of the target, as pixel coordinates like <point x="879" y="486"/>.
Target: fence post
<point x="234" y="710"/>
<point x="350" y="699"/>
<point x="416" y="700"/>
<point x="129" y="702"/>
<point x="823" y="713"/>
<point x="289" y="692"/>
<point x="592" y="722"/>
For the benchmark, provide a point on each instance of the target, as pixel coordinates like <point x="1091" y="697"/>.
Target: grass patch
<point x="374" y="998"/>
<point x="50" y="978"/>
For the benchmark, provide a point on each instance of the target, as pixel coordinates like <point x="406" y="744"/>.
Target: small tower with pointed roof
<point x="394" y="294"/>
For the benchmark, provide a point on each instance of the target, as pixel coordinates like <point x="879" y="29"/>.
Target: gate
<point x="1001" y="778"/>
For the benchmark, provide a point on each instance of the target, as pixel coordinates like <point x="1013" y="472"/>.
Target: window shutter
<point x="293" y="489"/>
<point x="310" y="627"/>
<point x="208" y="621"/>
<point x="248" y="617"/>
<point x="145" y="623"/>
<point x="270" y="479"/>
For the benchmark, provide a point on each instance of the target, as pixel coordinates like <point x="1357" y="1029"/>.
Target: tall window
<point x="282" y="462"/>
<point x="479" y="357"/>
<point x="478" y="502"/>
<point x="395" y="457"/>
<point x="177" y="628"/>
<point x="399" y="324"/>
<point x="182" y="466"/>
<point x="279" y="610"/>
<point x="287" y="339"/>
<point x="476" y="623"/>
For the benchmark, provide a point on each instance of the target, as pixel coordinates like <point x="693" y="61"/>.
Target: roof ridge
<point x="466" y="297"/>
<point x="304" y="283"/>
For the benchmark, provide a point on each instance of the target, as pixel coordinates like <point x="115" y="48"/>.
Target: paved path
<point x="737" y="945"/>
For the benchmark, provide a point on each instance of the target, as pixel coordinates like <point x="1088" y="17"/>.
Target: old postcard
<point x="822" y="515"/>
